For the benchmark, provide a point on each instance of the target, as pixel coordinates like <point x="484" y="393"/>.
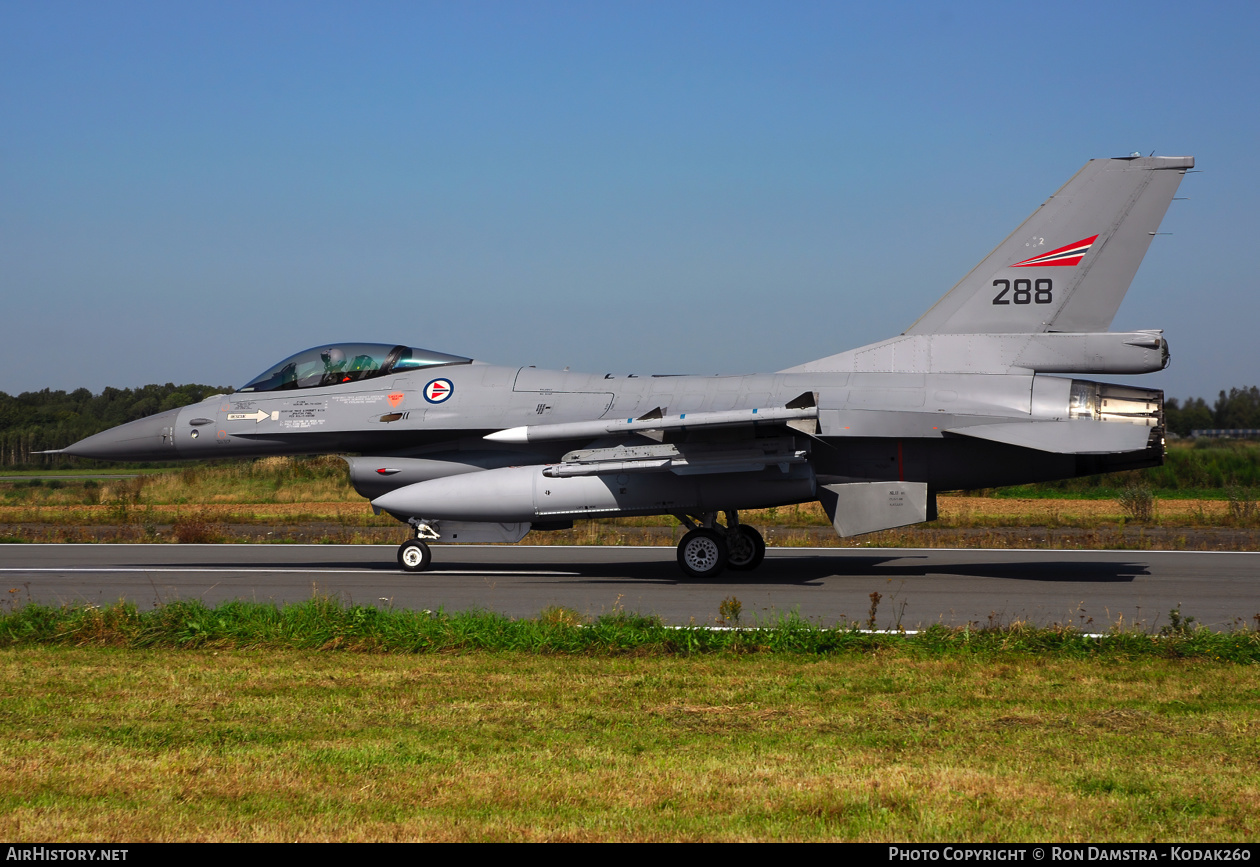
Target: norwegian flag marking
<point x="1072" y="254"/>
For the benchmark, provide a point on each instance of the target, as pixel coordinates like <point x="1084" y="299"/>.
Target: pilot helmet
<point x="333" y="358"/>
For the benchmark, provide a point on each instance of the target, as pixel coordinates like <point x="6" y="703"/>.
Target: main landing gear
<point x="709" y="547"/>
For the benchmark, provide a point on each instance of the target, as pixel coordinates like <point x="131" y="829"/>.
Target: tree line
<point x="1239" y="409"/>
<point x="38" y="420"/>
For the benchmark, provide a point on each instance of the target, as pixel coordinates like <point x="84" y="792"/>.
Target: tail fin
<point x="1067" y="267"/>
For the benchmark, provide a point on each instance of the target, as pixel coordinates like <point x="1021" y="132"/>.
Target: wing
<point x="687" y="458"/>
<point x="796" y="413"/>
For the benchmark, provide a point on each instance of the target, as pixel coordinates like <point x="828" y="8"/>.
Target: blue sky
<point x="190" y="192"/>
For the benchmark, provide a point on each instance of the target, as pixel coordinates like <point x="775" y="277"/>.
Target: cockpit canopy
<point x="333" y="364"/>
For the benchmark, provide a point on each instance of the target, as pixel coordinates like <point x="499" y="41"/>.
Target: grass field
<point x="349" y="524"/>
<point x="983" y="522"/>
<point x="1194" y="470"/>
<point x="304" y="500"/>
<point x="290" y="492"/>
<point x="127" y="745"/>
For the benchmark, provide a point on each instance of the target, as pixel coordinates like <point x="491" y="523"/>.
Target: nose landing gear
<point x="414" y="556"/>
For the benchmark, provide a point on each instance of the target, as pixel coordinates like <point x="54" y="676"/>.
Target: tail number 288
<point x="1024" y="291"/>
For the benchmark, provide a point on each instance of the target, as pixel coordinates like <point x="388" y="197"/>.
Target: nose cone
<point x="140" y="440"/>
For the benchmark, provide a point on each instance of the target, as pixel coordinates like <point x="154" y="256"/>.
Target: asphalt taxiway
<point x="1090" y="589"/>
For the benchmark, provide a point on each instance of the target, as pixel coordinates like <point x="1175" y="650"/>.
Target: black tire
<point x="702" y="553"/>
<point x="746" y="550"/>
<point x="414" y="556"/>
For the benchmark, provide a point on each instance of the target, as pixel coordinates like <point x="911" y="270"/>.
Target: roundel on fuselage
<point x="438" y="390"/>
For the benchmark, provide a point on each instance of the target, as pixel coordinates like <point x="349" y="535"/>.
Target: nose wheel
<point x="414" y="556"/>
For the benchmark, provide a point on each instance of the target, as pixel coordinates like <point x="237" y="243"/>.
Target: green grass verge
<point x="325" y="624"/>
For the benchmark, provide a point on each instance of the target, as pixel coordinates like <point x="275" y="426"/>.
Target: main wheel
<point x="702" y="553"/>
<point x="414" y="556"/>
<point x="746" y="550"/>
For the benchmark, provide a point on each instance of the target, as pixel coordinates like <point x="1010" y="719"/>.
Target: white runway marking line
<point x="227" y="569"/>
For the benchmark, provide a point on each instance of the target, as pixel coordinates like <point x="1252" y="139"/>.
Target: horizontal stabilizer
<point x="1107" y="352"/>
<point x="865" y="507"/>
<point x="1071" y="437"/>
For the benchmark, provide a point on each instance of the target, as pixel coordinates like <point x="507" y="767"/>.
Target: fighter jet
<point x="982" y="391"/>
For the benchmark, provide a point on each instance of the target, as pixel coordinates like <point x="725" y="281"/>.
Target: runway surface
<point x="1089" y="589"/>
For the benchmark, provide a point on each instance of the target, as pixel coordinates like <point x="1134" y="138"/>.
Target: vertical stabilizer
<point x="1067" y="267"/>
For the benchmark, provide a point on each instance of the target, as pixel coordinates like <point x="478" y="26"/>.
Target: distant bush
<point x="1138" y="502"/>
<point x="1242" y="503"/>
<point x="1205" y="465"/>
<point x="197" y="530"/>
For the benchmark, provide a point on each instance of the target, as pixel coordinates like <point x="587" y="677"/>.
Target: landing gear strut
<point x="709" y="547"/>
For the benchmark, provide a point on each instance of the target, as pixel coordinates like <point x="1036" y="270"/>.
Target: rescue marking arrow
<point x="259" y="416"/>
